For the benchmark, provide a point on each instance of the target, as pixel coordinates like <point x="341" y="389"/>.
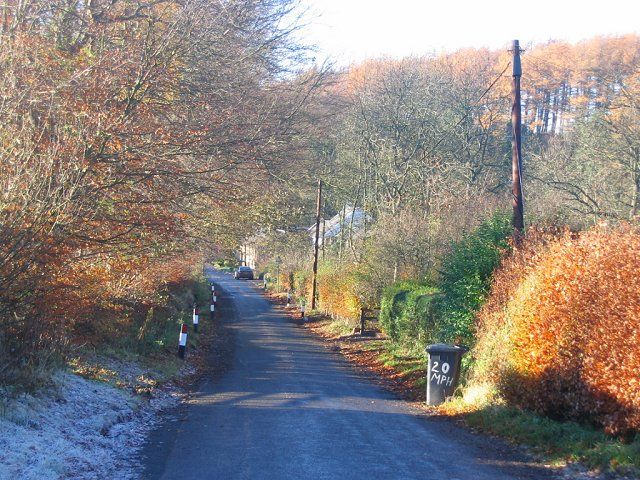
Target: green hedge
<point x="465" y="278"/>
<point x="407" y="312"/>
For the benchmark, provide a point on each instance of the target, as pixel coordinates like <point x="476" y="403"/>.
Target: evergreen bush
<point x="465" y="278"/>
<point x="407" y="312"/>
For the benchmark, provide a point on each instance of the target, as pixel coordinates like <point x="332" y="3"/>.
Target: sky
<point x="348" y="31"/>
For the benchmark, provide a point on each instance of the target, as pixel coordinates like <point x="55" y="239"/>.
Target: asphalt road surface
<point x="290" y="408"/>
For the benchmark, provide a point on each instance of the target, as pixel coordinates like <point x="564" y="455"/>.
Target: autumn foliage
<point x="339" y="288"/>
<point x="127" y="128"/>
<point x="560" y="333"/>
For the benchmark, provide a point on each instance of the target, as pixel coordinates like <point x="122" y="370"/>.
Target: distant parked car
<point x="243" y="272"/>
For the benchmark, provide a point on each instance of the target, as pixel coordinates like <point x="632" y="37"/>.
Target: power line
<point x="448" y="131"/>
<point x="464" y="117"/>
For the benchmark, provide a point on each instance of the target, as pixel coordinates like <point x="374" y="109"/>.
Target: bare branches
<point x="133" y="131"/>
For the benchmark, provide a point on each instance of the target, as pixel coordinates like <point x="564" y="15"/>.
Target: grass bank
<point x="150" y="342"/>
<point x="92" y="416"/>
<point x="559" y="442"/>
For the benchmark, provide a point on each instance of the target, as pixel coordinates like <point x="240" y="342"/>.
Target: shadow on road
<point x="286" y="407"/>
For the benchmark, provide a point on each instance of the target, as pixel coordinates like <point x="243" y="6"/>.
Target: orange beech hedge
<point x="560" y="333"/>
<point x="338" y="290"/>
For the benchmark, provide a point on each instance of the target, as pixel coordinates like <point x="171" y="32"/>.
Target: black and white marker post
<point x="196" y="318"/>
<point x="182" y="340"/>
<point x="214" y="299"/>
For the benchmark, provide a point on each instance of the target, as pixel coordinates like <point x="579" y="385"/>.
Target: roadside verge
<point x="95" y="415"/>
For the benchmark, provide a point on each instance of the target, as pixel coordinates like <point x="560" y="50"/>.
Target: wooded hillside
<point x="423" y="145"/>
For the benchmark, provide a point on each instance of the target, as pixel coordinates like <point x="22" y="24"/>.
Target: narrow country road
<point x="289" y="408"/>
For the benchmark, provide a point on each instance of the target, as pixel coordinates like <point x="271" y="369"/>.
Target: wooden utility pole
<point x="316" y="246"/>
<point x="516" y="161"/>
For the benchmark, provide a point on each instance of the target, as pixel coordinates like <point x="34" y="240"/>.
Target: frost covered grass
<point x="78" y="428"/>
<point x="91" y="419"/>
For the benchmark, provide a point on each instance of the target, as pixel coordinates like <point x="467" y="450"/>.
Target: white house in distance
<point x="248" y="253"/>
<point x="250" y="256"/>
<point x="353" y="223"/>
<point x="354" y="218"/>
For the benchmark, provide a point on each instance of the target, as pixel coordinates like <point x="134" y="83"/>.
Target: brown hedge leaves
<point x="561" y="333"/>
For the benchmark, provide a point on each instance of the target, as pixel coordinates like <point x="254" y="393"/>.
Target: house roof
<point x="332" y="227"/>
